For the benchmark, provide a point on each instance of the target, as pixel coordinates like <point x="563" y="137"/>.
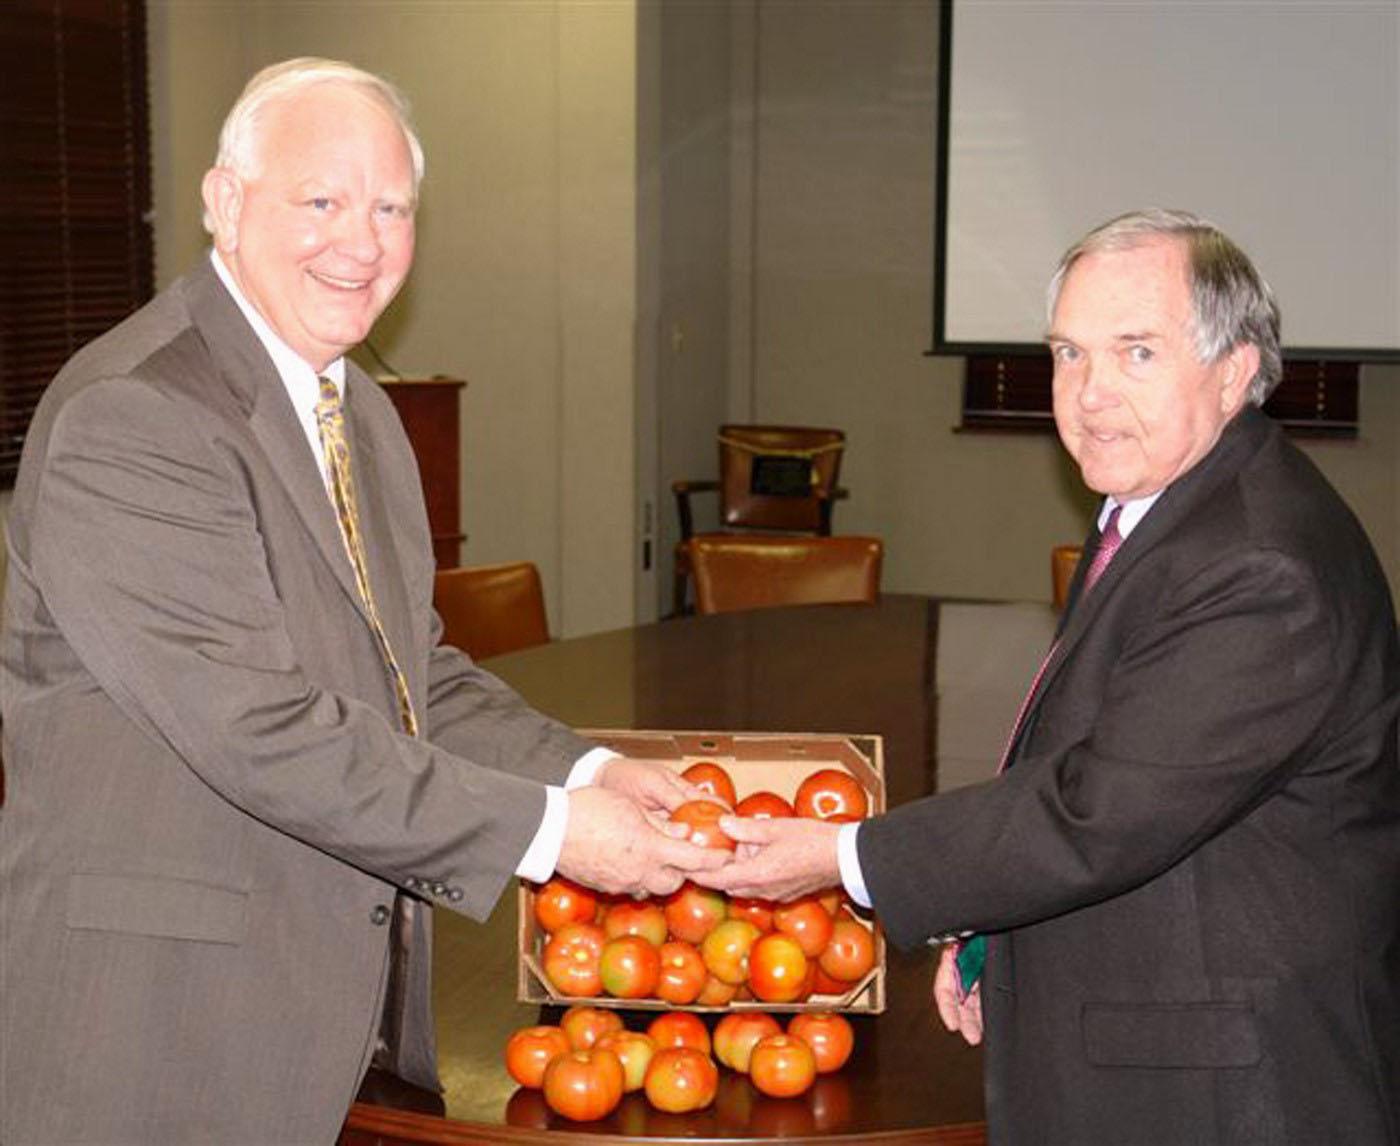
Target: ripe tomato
<point x="764" y="806"/>
<point x="571" y="959"/>
<point x="628" y="967"/>
<point x="529" y="1050"/>
<point x="702" y="817"/>
<point x="851" y="952"/>
<point x="692" y="911"/>
<point x="584" y="1085"/>
<point x="831" y="794"/>
<point x="716" y="992"/>
<point x="726" y="950"/>
<point x="807" y="921"/>
<point x="681" y="1079"/>
<point x="634" y="1051"/>
<point x="828" y="1034"/>
<point x="710" y="777"/>
<point x="759" y="912"/>
<point x="777" y="968"/>
<point x="682" y="976"/>
<point x="635" y="917"/>
<point x="586" y="1025"/>
<point x="737" y="1032"/>
<point x="824" y="984"/>
<point x="782" y="1065"/>
<point x="680" y="1029"/>
<point x="562" y="901"/>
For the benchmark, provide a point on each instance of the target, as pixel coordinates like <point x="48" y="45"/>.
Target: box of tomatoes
<point x="699" y="949"/>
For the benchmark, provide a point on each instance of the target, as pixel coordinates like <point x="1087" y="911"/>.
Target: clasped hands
<point x="620" y="840"/>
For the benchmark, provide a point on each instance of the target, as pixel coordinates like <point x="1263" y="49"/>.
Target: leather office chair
<point x="758" y="572"/>
<point x="1063" y="560"/>
<point x="773" y="479"/>
<point x="491" y="609"/>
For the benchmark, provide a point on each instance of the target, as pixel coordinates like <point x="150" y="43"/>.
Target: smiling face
<point x="1134" y="405"/>
<point x="320" y="236"/>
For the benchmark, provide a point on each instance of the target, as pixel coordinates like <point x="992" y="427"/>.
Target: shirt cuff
<point x="849" y="860"/>
<point x="587" y="767"/>
<point x="542" y="856"/>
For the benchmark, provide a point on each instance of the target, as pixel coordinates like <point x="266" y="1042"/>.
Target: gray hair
<point x="1231" y="302"/>
<point x="238" y="138"/>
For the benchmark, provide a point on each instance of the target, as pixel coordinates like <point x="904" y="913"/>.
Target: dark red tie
<point x="1109" y="542"/>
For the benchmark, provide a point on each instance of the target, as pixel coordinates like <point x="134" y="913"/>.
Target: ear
<point x="222" y="192"/>
<point x="1241" y="364"/>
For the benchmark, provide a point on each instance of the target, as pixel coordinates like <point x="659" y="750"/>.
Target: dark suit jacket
<point x="210" y="804"/>
<point x="1191" y="872"/>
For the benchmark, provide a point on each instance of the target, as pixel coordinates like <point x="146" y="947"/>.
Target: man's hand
<point x="959" y="1012"/>
<point x="777" y="859"/>
<point x="647" y="783"/>
<point x="611" y="844"/>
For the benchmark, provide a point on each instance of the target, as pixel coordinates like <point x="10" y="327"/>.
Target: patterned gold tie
<point x="330" y="421"/>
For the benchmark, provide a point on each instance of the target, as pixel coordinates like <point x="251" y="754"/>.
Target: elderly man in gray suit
<point x="240" y="764"/>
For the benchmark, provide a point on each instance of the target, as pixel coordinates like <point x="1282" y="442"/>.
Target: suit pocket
<point x="157" y="906"/>
<point x="1199" y="1036"/>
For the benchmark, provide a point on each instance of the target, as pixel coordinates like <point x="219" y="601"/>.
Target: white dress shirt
<point x="303" y="385"/>
<point x="847" y="854"/>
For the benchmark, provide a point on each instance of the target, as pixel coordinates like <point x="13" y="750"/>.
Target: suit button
<point x="439" y="889"/>
<point x="454" y="895"/>
<point x="412" y="883"/>
<point x="380" y="915"/>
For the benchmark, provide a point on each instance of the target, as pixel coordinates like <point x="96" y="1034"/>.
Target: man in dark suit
<point x="240" y="765"/>
<point x="1187" y="878"/>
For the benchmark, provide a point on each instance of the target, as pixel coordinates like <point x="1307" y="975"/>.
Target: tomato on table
<point x="782" y="1065"/>
<point x="680" y="1029"/>
<point x="737" y="1033"/>
<point x="681" y="1079"/>
<point x="585" y="1025"/>
<point x="828" y="1034"/>
<point x="530" y="1049"/>
<point x="584" y="1085"/>
<point x="634" y="1050"/>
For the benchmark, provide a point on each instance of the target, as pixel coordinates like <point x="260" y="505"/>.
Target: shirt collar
<point x="1132" y="512"/>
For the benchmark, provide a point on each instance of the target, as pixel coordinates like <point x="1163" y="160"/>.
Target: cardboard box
<point x="777" y="762"/>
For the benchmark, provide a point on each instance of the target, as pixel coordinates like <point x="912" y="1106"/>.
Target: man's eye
<point x="1065" y="354"/>
<point x="1140" y="354"/>
<point x="320" y="203"/>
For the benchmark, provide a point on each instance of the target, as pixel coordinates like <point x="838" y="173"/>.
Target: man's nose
<point x="358" y="237"/>
<point x="1098" y="388"/>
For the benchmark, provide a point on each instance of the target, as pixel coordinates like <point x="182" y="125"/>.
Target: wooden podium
<point x="430" y="409"/>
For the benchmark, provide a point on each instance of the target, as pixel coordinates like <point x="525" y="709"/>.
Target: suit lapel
<point x="249" y="373"/>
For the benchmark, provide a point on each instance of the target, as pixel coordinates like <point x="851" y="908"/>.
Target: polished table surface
<point x="841" y="669"/>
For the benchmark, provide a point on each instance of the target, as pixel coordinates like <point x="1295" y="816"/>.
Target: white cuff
<point x="542" y="856"/>
<point x="587" y="767"/>
<point x="849" y="860"/>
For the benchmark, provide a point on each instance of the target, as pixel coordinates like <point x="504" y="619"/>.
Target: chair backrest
<point x="1063" y="561"/>
<point x="778" y="477"/>
<point x="739" y="572"/>
<point x="491" y="609"/>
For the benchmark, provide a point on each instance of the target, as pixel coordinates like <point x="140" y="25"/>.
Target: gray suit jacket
<point x="1192" y="868"/>
<point x="209" y="803"/>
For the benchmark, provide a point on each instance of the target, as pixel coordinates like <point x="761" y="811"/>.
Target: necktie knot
<point x="328" y="410"/>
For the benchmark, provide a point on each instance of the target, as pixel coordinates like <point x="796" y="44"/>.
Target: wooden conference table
<point x="844" y="669"/>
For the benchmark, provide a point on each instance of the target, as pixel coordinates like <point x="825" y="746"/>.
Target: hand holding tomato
<point x="649" y="784"/>
<point x="777" y="858"/>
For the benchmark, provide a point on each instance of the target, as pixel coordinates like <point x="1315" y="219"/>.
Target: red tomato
<point x="782" y="1065"/>
<point x="764" y="806"/>
<point x="726" y="950"/>
<point x="680" y="1029"/>
<point x="831" y="794"/>
<point x="681" y="1079"/>
<point x="692" y="911"/>
<point x="828" y="1034"/>
<point x="710" y="777"/>
<point x="635" y="917"/>
<point x="628" y="967"/>
<point x="586" y="1025"/>
<point x="529" y="1050"/>
<point x="777" y="968"/>
<point x="759" y="912"/>
<point x="807" y="921"/>
<point x="824" y="984"/>
<point x="571" y="959"/>
<point x="851" y="952"/>
<point x="702" y="817"/>
<point x="716" y="992"/>
<point x="682" y="976"/>
<point x="634" y="1051"/>
<point x="584" y="1085"/>
<point x="562" y="901"/>
<point x="737" y="1032"/>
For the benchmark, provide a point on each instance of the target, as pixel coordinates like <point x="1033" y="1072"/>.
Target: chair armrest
<point x="683" y="489"/>
<point x="828" y="503"/>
